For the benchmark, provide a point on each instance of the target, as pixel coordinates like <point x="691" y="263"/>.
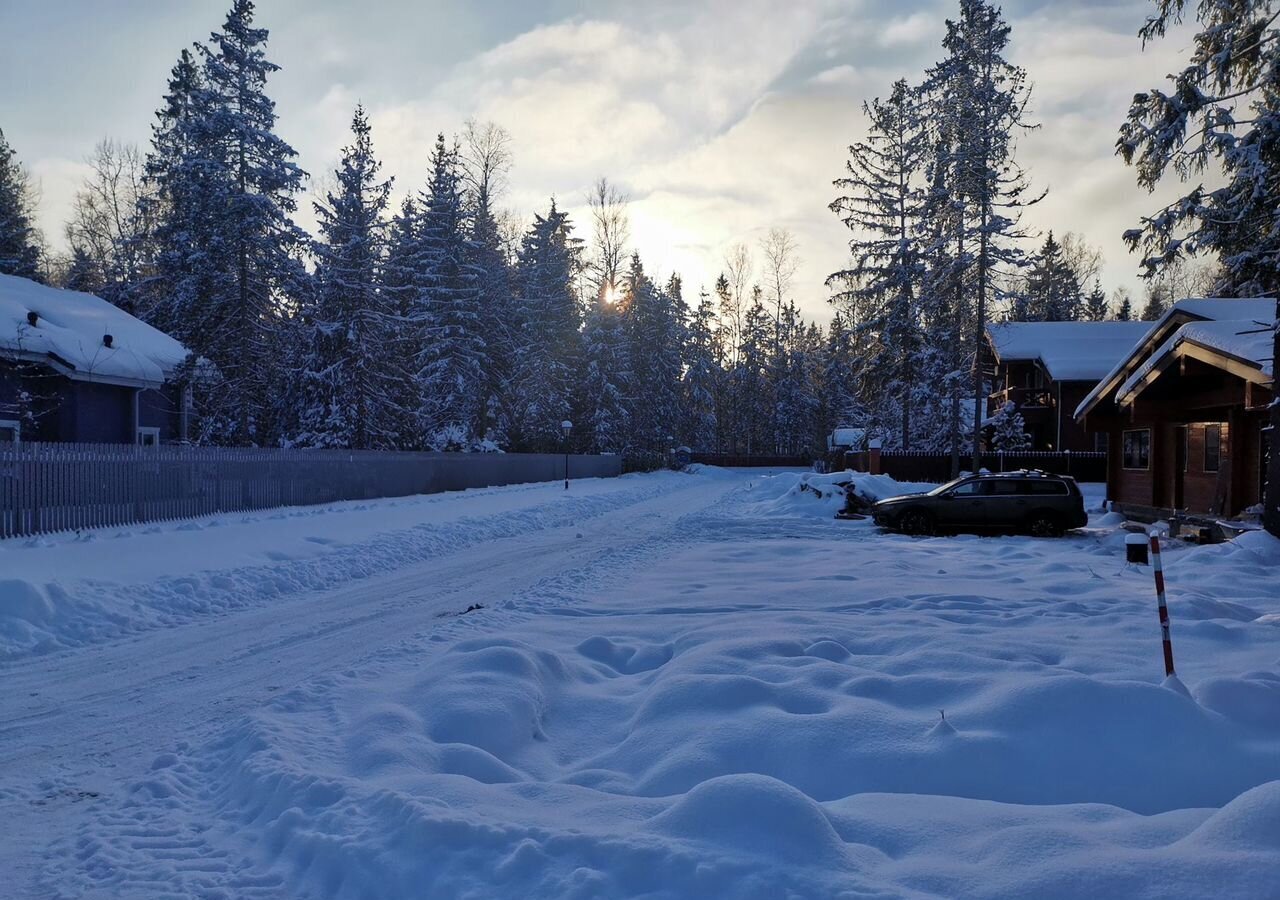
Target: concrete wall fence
<point x="48" y="488"/>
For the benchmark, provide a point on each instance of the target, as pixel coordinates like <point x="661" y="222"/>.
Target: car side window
<point x="1004" y="488"/>
<point x="1047" y="487"/>
<point x="968" y="489"/>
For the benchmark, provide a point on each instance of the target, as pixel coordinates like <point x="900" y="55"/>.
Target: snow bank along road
<point x="678" y="686"/>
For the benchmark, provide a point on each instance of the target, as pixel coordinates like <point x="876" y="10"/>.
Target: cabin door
<point x="1179" y="465"/>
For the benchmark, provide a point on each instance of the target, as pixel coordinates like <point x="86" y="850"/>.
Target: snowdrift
<point x="823" y="495"/>
<point x="755" y="707"/>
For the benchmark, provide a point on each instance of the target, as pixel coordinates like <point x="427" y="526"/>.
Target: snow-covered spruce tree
<point x="980" y="99"/>
<point x="702" y="374"/>
<point x="1123" y="305"/>
<point x="651" y="327"/>
<point x="837" y="401"/>
<point x="668" y="334"/>
<point x="350" y="375"/>
<point x="728" y="412"/>
<point x="751" y="377"/>
<point x="883" y="206"/>
<point x="543" y="390"/>
<point x="1223" y="106"/>
<point x="486" y="162"/>
<point x="188" y="248"/>
<point x="946" y="294"/>
<point x="19" y="242"/>
<point x="796" y="388"/>
<point x="229" y="267"/>
<point x="446" y="312"/>
<point x="404" y="337"/>
<point x="1009" y="430"/>
<point x="1095" y="305"/>
<point x="1157" y="302"/>
<point x="1052" y="289"/>
<point x="605" y="380"/>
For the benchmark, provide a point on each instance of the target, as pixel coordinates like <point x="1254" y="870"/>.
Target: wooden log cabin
<point x="1186" y="410"/>
<point x="1046" y="368"/>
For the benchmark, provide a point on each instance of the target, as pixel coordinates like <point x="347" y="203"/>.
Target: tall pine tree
<point x="883" y="207"/>
<point x="446" y="312"/>
<point x="351" y="377"/>
<point x="19" y="246"/>
<point x="229" y="267"/>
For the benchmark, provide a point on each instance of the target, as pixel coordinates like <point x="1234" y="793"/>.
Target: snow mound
<point x="755" y="815"/>
<point x="735" y="709"/>
<point x="823" y="495"/>
<point x="1251" y="820"/>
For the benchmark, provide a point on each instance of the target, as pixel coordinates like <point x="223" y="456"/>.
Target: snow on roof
<point x="1225" y="308"/>
<point x="1189" y="311"/>
<point x="1244" y="339"/>
<point x="1069" y="351"/>
<point x="68" y="334"/>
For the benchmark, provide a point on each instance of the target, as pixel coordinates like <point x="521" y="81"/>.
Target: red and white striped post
<point x="1164" y="609"/>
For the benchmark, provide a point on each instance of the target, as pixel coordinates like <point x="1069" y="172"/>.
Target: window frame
<point x="1217" y="449"/>
<point x="16" y="425"/>
<point x="147" y="431"/>
<point x="1124" y="450"/>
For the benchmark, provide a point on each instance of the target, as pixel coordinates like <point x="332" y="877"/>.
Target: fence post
<point x="1158" y="570"/>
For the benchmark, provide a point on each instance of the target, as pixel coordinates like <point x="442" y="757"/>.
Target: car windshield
<point x="942" y="489"/>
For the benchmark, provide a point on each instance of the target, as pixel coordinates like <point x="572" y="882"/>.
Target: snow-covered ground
<point x="677" y="685"/>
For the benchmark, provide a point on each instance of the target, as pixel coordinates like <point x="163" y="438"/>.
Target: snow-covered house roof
<point x="1233" y="328"/>
<point x="1245" y="342"/>
<point x="69" y="334"/>
<point x="1068" y="351"/>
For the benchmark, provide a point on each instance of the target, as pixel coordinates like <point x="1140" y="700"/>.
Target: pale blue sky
<point x="721" y="118"/>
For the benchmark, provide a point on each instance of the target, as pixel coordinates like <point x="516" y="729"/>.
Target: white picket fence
<point x="47" y="488"/>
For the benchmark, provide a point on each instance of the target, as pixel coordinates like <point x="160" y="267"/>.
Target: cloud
<point x="722" y="118"/>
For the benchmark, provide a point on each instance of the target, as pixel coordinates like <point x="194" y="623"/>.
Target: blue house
<point x="75" y="368"/>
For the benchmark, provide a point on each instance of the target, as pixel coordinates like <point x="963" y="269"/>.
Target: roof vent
<point x="106" y="340"/>
<point x="32" y="318"/>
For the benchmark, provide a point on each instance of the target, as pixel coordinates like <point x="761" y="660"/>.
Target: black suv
<point x="1032" y="502"/>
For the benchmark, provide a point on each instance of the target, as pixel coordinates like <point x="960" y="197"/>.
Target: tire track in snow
<point x="193" y="679"/>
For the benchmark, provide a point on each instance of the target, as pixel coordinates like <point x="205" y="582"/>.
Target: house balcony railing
<point x="1023" y="397"/>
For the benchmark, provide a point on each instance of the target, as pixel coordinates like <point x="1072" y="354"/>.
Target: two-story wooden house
<point x="75" y="368"/>
<point x="1186" y="409"/>
<point x="1046" y="368"/>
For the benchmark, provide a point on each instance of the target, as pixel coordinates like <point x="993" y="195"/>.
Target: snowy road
<point x="678" y="686"/>
<point x="79" y="724"/>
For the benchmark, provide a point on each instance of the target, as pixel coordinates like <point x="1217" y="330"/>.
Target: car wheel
<point x="1044" y="524"/>
<point x="915" y="521"/>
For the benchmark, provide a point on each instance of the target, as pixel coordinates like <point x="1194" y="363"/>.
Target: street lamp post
<point x="566" y="426"/>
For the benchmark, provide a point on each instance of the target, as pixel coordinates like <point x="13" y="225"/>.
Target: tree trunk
<point x="979" y="345"/>
<point x="1271" y="502"/>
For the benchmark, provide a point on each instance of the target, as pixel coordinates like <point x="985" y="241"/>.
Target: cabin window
<point x="1100" y="440"/>
<point x="10" y="431"/>
<point x="148" y="437"/>
<point x="1212" y="447"/>
<point x="1137" y="449"/>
